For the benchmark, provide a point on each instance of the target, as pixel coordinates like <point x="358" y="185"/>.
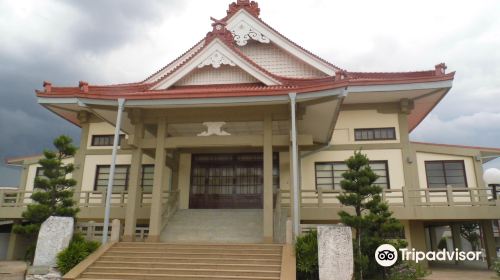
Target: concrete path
<point x="460" y="274"/>
<point x="214" y="226"/>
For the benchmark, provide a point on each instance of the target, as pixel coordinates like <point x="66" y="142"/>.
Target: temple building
<point x="242" y="140"/>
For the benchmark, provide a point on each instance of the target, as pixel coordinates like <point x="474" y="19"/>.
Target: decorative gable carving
<point x="242" y="32"/>
<point x="216" y="59"/>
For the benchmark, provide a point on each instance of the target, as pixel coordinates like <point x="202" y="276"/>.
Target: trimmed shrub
<point x="306" y="249"/>
<point x="496" y="266"/>
<point x="77" y="251"/>
<point x="406" y="271"/>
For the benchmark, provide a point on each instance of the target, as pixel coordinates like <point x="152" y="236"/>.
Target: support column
<point x="489" y="242"/>
<point x="79" y="162"/>
<point x="268" y="181"/>
<point x="134" y="189"/>
<point x="456" y="237"/>
<point x="409" y="155"/>
<point x="417" y="238"/>
<point x="11" y="247"/>
<point x="159" y="174"/>
<point x="294" y="168"/>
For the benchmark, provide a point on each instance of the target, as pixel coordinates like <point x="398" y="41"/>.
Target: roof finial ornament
<point x="219" y="30"/>
<point x="250" y="6"/>
<point x="440" y="69"/>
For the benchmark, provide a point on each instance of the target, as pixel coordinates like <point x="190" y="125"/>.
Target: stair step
<point x="179" y="264"/>
<point x="196" y="254"/>
<point x="192" y="260"/>
<point x="201" y="250"/>
<point x="199" y="245"/>
<point x="183" y="271"/>
<point x="102" y="276"/>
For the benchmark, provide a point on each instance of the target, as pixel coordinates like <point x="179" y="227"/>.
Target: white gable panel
<point x="214" y="55"/>
<point x="279" y="62"/>
<point x="208" y="75"/>
<point x="242" y="16"/>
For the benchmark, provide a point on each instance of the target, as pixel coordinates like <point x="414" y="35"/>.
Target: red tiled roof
<point x="142" y="90"/>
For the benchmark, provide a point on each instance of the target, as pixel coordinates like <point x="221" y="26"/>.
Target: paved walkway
<point x="460" y="274"/>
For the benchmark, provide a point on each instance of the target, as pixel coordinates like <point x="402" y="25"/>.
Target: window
<point x="367" y="134"/>
<point x="147" y="176"/>
<point x="122" y="177"/>
<point x="120" y="182"/>
<point x="445" y="172"/>
<point x="105" y="140"/>
<point x="39" y="174"/>
<point x="329" y="174"/>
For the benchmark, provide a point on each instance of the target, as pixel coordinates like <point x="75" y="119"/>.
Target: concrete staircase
<point x="214" y="226"/>
<point x="135" y="260"/>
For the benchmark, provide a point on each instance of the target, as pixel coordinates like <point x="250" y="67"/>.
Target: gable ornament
<point x="243" y="32"/>
<point x="216" y="59"/>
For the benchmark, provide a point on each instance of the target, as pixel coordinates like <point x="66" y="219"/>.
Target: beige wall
<point x="99" y="128"/>
<point x="468" y="162"/>
<point x="393" y="157"/>
<point x="91" y="162"/>
<point x="350" y="119"/>
<point x="30" y="180"/>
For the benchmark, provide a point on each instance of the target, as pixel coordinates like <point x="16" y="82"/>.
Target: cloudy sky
<point x="114" y="41"/>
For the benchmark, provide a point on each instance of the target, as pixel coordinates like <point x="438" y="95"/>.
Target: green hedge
<point x="306" y="249"/>
<point x="77" y="251"/>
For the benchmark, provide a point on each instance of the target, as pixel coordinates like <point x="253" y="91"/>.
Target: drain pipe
<point x="109" y="189"/>
<point x="295" y="167"/>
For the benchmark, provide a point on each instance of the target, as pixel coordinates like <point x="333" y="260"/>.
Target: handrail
<point x="402" y="197"/>
<point x="87" y="199"/>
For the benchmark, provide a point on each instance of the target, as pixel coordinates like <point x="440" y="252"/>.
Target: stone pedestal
<point x="335" y="253"/>
<point x="54" y="236"/>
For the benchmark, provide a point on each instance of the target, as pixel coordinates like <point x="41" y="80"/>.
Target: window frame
<point x="444" y="173"/>
<point x="127" y="177"/>
<point x="143" y="166"/>
<point x="373" y="129"/>
<point x="111" y="136"/>
<point x="385" y="162"/>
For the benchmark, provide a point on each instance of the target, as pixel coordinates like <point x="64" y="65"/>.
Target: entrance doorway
<point x="229" y="181"/>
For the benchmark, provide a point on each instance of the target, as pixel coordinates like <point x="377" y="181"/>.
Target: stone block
<point x="335" y="252"/>
<point x="54" y="236"/>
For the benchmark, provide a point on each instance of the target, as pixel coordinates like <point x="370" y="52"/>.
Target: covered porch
<point x="222" y="154"/>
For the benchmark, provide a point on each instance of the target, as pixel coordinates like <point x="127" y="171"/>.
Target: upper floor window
<point x="120" y="181"/>
<point x="367" y="134"/>
<point x="329" y="174"/>
<point x="441" y="173"/>
<point x="105" y="140"/>
<point x="147" y="176"/>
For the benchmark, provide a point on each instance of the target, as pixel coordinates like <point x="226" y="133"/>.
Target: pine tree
<point x="53" y="192"/>
<point x="372" y="220"/>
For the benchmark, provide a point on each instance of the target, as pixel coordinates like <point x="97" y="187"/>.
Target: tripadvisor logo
<point x="387" y="255"/>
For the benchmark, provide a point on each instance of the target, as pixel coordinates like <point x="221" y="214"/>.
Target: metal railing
<point x="403" y="197"/>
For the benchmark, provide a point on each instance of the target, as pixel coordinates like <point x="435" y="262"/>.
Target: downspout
<point x="295" y="167"/>
<point x="109" y="189"/>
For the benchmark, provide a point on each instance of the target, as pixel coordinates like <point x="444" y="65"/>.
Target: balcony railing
<point x="404" y="197"/>
<point x="87" y="199"/>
